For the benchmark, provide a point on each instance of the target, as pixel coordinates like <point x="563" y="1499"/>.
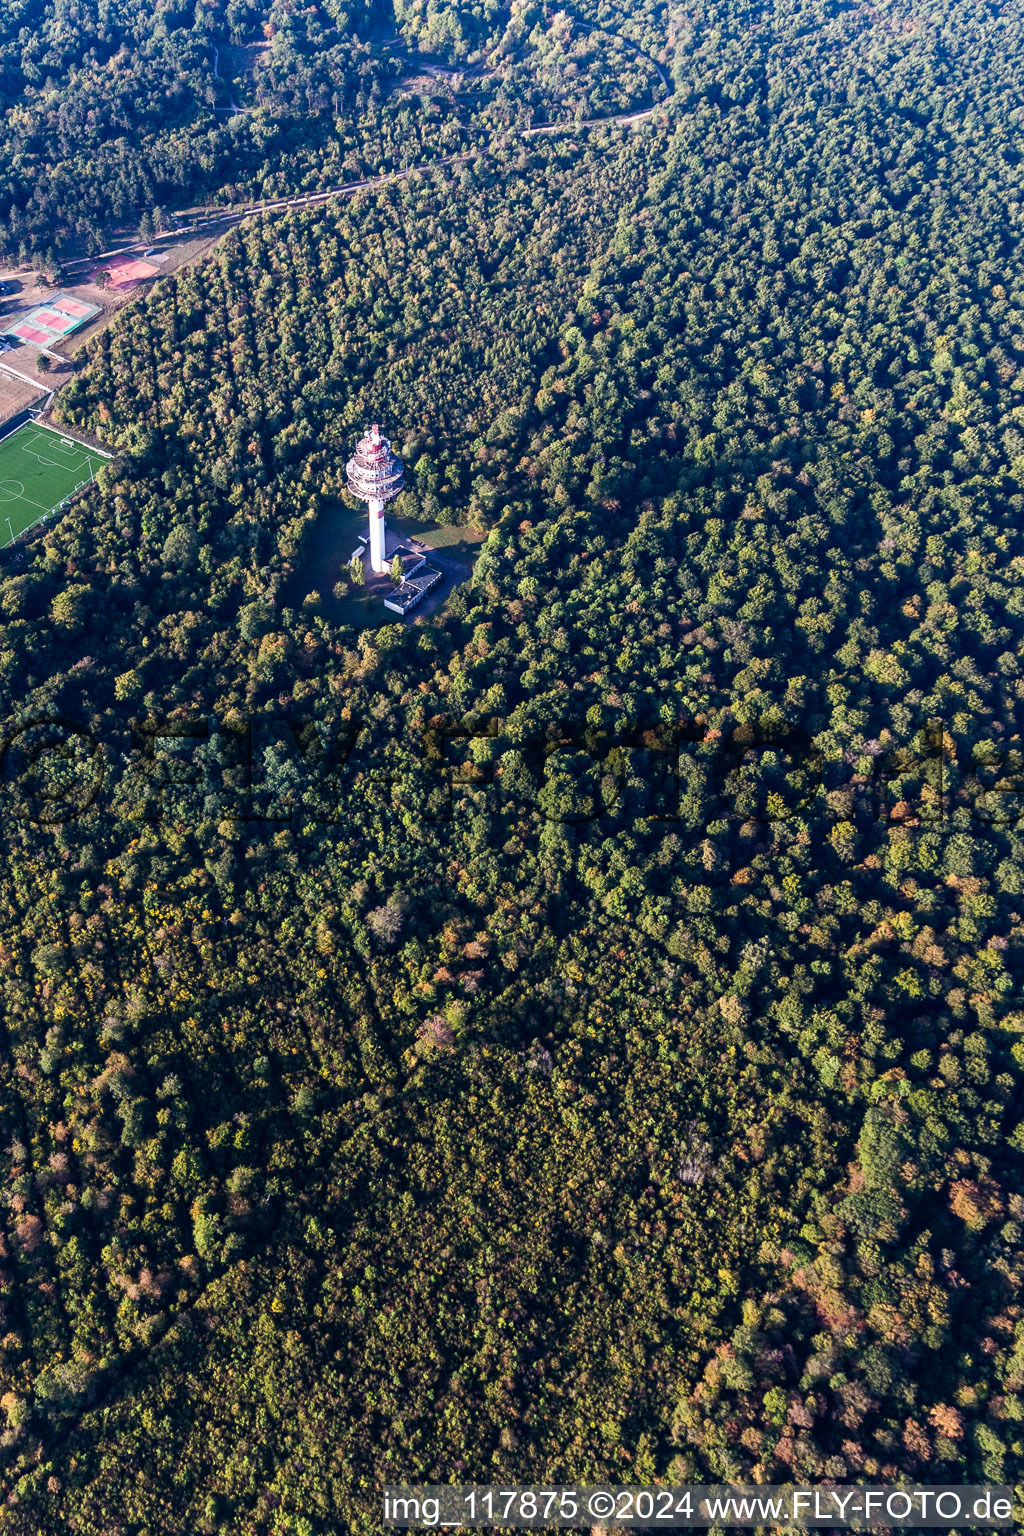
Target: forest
<point x="110" y="120"/>
<point x="577" y="1036"/>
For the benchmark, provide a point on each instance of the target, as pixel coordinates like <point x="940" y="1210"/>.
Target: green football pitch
<point x="39" y="471"/>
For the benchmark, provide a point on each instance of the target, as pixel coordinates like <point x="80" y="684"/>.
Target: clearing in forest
<point x="40" y="470"/>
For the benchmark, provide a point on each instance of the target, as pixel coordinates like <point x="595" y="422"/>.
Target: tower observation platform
<point x="376" y="476"/>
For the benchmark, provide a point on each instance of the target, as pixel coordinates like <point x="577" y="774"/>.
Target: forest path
<point x="209" y="220"/>
<point x="209" y="225"/>
<point x="232" y="107"/>
<point x="586" y="26"/>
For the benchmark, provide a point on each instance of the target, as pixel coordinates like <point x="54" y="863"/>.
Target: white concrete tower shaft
<point x="376" y="476"/>
<point x="378" y="539"/>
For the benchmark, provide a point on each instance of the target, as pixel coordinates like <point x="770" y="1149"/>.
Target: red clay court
<point x="125" y="270"/>
<point x="26" y="332"/>
<point x="76" y="307"/>
<point x="53" y="320"/>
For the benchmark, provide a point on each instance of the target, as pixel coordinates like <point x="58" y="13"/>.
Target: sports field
<point x="51" y="320"/>
<point x="39" y="471"/>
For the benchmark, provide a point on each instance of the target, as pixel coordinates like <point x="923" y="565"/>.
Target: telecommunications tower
<point x="375" y="475"/>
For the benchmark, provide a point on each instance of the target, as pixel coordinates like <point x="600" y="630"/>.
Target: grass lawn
<point x="39" y="471"/>
<point x="324" y="562"/>
<point x="450" y="536"/>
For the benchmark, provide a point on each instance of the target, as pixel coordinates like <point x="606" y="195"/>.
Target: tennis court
<point x="39" y="471"/>
<point x="125" y="272"/>
<point x="50" y="321"/>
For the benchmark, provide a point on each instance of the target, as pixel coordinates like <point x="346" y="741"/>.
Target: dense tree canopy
<point x="109" y="118"/>
<point x="579" y="1035"/>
